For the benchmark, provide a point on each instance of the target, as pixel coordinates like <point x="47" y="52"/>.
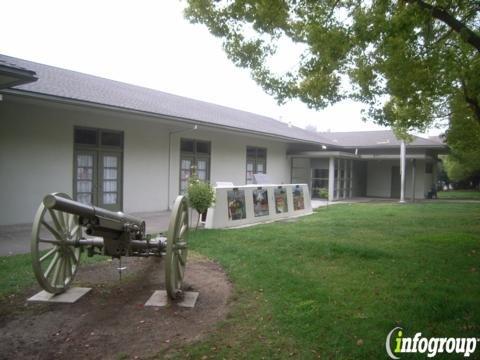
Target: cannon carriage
<point x="64" y="228"/>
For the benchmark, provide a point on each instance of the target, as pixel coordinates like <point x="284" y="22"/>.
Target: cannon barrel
<point x="56" y="202"/>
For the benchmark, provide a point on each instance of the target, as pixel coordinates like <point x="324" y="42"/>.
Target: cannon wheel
<point x="56" y="266"/>
<point x="176" y="258"/>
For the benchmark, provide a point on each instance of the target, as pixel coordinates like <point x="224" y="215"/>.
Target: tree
<point x="407" y="60"/>
<point x="463" y="136"/>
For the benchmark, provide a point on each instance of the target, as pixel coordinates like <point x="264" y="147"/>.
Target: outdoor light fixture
<point x="324" y="147"/>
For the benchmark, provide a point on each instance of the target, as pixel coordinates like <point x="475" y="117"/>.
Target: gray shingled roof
<point x="73" y="85"/>
<point x="370" y="139"/>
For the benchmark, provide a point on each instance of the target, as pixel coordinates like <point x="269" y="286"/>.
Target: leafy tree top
<point x="407" y="60"/>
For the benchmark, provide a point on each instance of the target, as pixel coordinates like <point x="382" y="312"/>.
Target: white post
<point x="339" y="164"/>
<point x="345" y="177"/>
<point x="331" y="178"/>
<point x="351" y="179"/>
<point x="402" y="171"/>
<point x="414" y="166"/>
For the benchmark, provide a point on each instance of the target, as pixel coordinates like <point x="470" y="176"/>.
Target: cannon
<point x="64" y="228"/>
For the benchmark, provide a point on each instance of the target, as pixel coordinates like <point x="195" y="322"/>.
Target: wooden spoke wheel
<point x="176" y="257"/>
<point x="54" y="257"/>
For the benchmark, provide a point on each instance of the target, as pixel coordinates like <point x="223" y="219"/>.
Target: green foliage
<point x="201" y="194"/>
<point x="322" y="193"/>
<point x="406" y="60"/>
<point x="463" y="138"/>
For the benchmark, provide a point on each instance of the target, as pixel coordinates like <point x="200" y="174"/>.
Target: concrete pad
<point x="189" y="299"/>
<point x="68" y="297"/>
<point x="160" y="299"/>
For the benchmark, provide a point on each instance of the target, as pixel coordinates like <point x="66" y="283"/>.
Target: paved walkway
<point x="15" y="239"/>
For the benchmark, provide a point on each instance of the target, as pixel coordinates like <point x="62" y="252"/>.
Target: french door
<point x="98" y="178"/>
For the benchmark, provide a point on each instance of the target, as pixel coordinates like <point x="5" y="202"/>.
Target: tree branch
<point x="472" y="102"/>
<point x="459" y="27"/>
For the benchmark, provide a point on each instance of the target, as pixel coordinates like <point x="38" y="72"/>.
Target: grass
<point x="332" y="285"/>
<point x="16" y="272"/>
<point x="459" y="194"/>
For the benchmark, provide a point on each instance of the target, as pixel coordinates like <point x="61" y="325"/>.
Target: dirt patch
<point x="111" y="322"/>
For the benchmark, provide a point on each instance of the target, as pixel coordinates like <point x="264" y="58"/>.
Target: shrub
<point x="323" y="193"/>
<point x="200" y="194"/>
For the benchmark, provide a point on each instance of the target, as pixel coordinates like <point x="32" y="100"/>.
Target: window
<point x="194" y="158"/>
<point x="319" y="182"/>
<point x="256" y="162"/>
<point x="98" y="167"/>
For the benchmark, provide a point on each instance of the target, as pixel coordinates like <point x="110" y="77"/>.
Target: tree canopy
<point x="412" y="62"/>
<point x="463" y="162"/>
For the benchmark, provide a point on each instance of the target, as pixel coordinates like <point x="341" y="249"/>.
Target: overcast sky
<point x="149" y="43"/>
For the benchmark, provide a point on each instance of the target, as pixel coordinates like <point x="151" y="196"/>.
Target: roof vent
<point x="383" y="142"/>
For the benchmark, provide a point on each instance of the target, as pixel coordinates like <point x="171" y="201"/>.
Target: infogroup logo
<point x="430" y="346"/>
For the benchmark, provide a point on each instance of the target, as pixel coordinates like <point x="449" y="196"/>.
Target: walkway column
<point x="345" y="177"/>
<point x="339" y="171"/>
<point x="331" y="178"/>
<point x="402" y="171"/>
<point x="414" y="166"/>
<point x="350" y="193"/>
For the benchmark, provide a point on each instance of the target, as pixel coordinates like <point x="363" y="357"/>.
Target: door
<point x="109" y="181"/>
<point x="98" y="179"/>
<point x="395" y="183"/>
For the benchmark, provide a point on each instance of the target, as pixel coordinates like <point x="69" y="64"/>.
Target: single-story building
<point x="129" y="148"/>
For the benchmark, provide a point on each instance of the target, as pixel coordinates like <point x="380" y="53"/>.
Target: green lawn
<point x="335" y="283"/>
<point x="459" y="194"/>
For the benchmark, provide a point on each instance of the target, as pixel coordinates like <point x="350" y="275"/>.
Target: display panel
<point x="298" y="202"/>
<point x="260" y="202"/>
<point x="281" y="203"/>
<point x="236" y="204"/>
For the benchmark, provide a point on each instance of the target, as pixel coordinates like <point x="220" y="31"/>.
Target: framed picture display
<point x="260" y="202"/>
<point x="281" y="204"/>
<point x="236" y="204"/>
<point x="298" y="202"/>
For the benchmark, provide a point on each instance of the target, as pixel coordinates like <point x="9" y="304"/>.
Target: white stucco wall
<point x="379" y="178"/>
<point x="229" y="157"/>
<point x="36" y="156"/>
